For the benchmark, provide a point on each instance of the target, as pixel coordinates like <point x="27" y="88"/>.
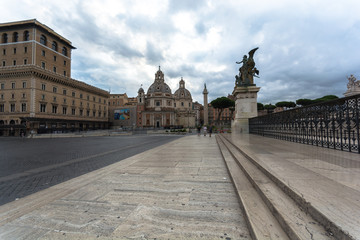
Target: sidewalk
<point x="180" y="190"/>
<point x="324" y="182"/>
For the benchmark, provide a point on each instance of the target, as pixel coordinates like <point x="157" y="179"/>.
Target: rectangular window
<point x="43" y="65"/>
<point x="25" y="49"/>
<point x="64" y="91"/>
<point x="81" y="95"/>
<point x="54" y="109"/>
<point x="88" y="97"/>
<point x="23" y="95"/>
<point x="64" y="110"/>
<point x="54" y="99"/>
<point x="88" y="113"/>
<point x="4" y="51"/>
<point x="73" y="102"/>
<point x="2" y="108"/>
<point x="14" y="62"/>
<point x="2" y="96"/>
<point x="43" y="53"/>
<point x="64" y="73"/>
<point x="3" y="86"/>
<point x="94" y="99"/>
<point x="25" y="61"/>
<point x="43" y="87"/>
<point x="13" y="85"/>
<point x="14" y="50"/>
<point x="54" y="89"/>
<point x="23" y="107"/>
<point x="54" y="69"/>
<point x="81" y="112"/>
<point x="94" y="113"/>
<point x="73" y="111"/>
<point x="12" y="107"/>
<point x="43" y="97"/>
<point x="42" y="107"/>
<point x="64" y="63"/>
<point x="4" y="63"/>
<point x="24" y="84"/>
<point x="64" y="100"/>
<point x="73" y="94"/>
<point x="54" y="58"/>
<point x="12" y="95"/>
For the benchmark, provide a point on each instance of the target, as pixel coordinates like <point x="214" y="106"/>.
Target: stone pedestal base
<point x="240" y="125"/>
<point x="245" y="107"/>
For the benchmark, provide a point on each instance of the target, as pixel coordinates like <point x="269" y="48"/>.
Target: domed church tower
<point x="185" y="114"/>
<point x="159" y="104"/>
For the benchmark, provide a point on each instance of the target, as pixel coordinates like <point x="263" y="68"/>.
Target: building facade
<point x="37" y="93"/>
<point x="159" y="108"/>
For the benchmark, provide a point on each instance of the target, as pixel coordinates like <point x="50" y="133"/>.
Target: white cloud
<point x="306" y="48"/>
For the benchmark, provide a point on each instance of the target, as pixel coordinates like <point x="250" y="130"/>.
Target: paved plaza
<point x="31" y="165"/>
<point x="180" y="190"/>
<point x="184" y="190"/>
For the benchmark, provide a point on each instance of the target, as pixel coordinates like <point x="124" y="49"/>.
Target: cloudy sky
<point x="307" y="48"/>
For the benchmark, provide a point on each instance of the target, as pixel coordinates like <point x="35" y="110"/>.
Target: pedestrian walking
<point x="205" y="130"/>
<point x="210" y="130"/>
<point x="198" y="130"/>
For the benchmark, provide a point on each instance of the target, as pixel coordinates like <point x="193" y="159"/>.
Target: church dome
<point x="159" y="85"/>
<point x="141" y="90"/>
<point x="182" y="92"/>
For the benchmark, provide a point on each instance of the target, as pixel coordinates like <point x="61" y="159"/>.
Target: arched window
<point x="43" y="40"/>
<point x="4" y="38"/>
<point x="54" y="46"/>
<point x="64" y="51"/>
<point x="26" y="36"/>
<point x="15" y="37"/>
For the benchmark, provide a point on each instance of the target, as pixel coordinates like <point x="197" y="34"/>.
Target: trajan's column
<point x="245" y="93"/>
<point x="206" y="108"/>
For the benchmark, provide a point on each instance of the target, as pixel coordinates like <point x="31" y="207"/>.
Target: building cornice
<point x="36" y="23"/>
<point x="36" y="71"/>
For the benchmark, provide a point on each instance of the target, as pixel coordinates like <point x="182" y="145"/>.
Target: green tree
<point x="269" y="106"/>
<point x="304" y="102"/>
<point x="325" y="98"/>
<point x="285" y="104"/>
<point x="221" y="103"/>
<point x="260" y="106"/>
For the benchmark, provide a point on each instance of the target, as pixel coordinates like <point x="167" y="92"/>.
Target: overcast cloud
<point x="306" y="48"/>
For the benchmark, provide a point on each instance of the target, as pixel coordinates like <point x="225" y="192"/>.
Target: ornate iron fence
<point x="333" y="124"/>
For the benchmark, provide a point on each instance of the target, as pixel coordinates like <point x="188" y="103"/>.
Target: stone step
<point x="295" y="222"/>
<point x="332" y="204"/>
<point x="262" y="224"/>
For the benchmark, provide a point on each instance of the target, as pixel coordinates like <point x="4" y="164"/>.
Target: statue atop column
<point x="247" y="71"/>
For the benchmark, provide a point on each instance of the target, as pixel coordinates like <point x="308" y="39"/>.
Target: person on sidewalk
<point x="198" y="130"/>
<point x="210" y="130"/>
<point x="205" y="129"/>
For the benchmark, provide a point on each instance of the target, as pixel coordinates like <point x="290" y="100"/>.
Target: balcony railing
<point x="333" y="124"/>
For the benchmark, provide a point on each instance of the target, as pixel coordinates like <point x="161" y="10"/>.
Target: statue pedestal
<point x="245" y="107"/>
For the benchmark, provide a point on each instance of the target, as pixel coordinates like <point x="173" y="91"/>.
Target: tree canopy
<point x="305" y="102"/>
<point x="269" y="106"/>
<point x="260" y="106"/>
<point x="285" y="104"/>
<point x="221" y="103"/>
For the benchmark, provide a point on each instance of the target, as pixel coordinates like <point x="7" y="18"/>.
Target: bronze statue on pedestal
<point x="247" y="71"/>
